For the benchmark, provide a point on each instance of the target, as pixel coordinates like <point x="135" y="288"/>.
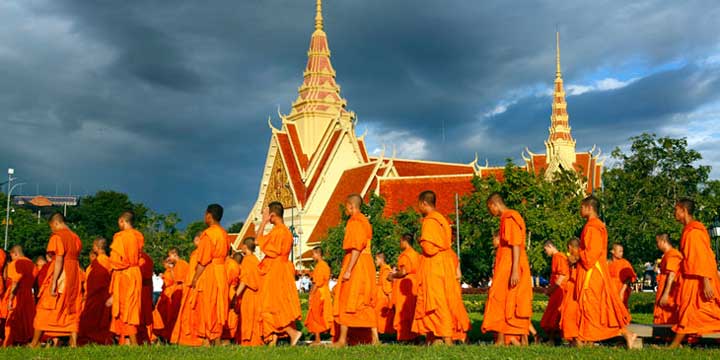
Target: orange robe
<point x="569" y="310"/>
<point x="404" y="294"/>
<point x="383" y="306"/>
<point x="3" y="301"/>
<point x="59" y="314"/>
<point x="621" y="272"/>
<point x="462" y="321"/>
<point x="251" y="329"/>
<point x="212" y="286"/>
<point x="95" y="317"/>
<point x="145" y="329"/>
<point x="168" y="306"/>
<point x="320" y="315"/>
<point x="19" y="323"/>
<point x="187" y="323"/>
<point x="601" y="314"/>
<point x="439" y="309"/>
<point x="280" y="304"/>
<point x="551" y="318"/>
<point x="668" y="314"/>
<point x="126" y="281"/>
<point x="696" y="314"/>
<point x="355" y="305"/>
<point x="232" y="271"/>
<point x="508" y="310"/>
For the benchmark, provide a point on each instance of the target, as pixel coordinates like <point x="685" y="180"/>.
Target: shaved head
<point x="574" y="242"/>
<point x="17" y="250"/>
<point x="129" y="217"/>
<point x="664" y="237"/>
<point x="276" y="208"/>
<point x="57" y="217"/>
<point x="249" y="243"/>
<point x="688" y="205"/>
<point x="356" y="200"/>
<point x="496" y="198"/>
<point x="428" y="197"/>
<point x="593" y="203"/>
<point x="100" y="244"/>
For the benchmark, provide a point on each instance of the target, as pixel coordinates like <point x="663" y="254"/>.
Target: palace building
<point x="315" y="159"/>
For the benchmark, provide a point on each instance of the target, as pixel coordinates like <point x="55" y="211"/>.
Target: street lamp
<point x="715" y="232"/>
<point x="11" y="172"/>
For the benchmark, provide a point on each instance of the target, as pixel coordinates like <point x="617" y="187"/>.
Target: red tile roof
<point x="497" y="172"/>
<point x="401" y="193"/>
<point x="426" y="168"/>
<point x="351" y="182"/>
<point x="291" y="166"/>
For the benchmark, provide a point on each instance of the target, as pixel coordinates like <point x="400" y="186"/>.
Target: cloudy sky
<point x="168" y="100"/>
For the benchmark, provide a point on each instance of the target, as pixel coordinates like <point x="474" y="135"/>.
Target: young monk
<point x="569" y="309"/>
<point x="320" y="315"/>
<point x="145" y="329"/>
<point x="559" y="272"/>
<point x="95" y="317"/>
<point x="232" y="271"/>
<point x="280" y="306"/>
<point x="21" y="304"/>
<point x="163" y="304"/>
<point x="383" y="305"/>
<point x="621" y="273"/>
<point x="699" y="296"/>
<point x="668" y="282"/>
<point x="248" y="294"/>
<point x="56" y="310"/>
<point x="126" y="279"/>
<point x="42" y="265"/>
<point x="179" y="269"/>
<point x="355" y="305"/>
<point x="3" y="293"/>
<point x="509" y="306"/>
<point x="439" y="307"/>
<point x="601" y="313"/>
<point x="187" y="325"/>
<point x="210" y="278"/>
<point x="404" y="292"/>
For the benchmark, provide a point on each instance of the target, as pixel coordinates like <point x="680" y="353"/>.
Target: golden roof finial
<point x="318" y="16"/>
<point x="557" y="49"/>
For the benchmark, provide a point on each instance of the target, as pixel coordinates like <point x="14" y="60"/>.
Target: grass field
<point x="478" y="350"/>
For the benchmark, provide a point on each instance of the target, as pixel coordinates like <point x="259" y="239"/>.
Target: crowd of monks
<point x="222" y="295"/>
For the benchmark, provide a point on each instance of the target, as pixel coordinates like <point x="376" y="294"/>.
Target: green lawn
<point x="474" y="303"/>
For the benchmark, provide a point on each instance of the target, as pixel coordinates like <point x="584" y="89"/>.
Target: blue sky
<point x="168" y="100"/>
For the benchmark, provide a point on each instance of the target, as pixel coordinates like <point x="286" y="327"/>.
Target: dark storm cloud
<point x="168" y="100"/>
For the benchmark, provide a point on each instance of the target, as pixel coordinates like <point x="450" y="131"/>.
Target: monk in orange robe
<point x="126" y="279"/>
<point x="509" y="305"/>
<point x="559" y="272"/>
<point x="383" y="305"/>
<point x="185" y="332"/>
<point x="601" y="313"/>
<point x="248" y="295"/>
<point x="145" y="328"/>
<point x="621" y="273"/>
<point x="320" y="314"/>
<point x="95" y="317"/>
<point x="699" y="297"/>
<point x="3" y="293"/>
<point x="569" y="308"/>
<point x="280" y="304"/>
<point x="57" y="310"/>
<point x="439" y="309"/>
<point x="354" y="307"/>
<point x="42" y="263"/>
<point x="668" y="282"/>
<point x="232" y="271"/>
<point x="404" y="292"/>
<point x="21" y="304"/>
<point x="462" y="320"/>
<point x="168" y="306"/>
<point x="210" y="278"/>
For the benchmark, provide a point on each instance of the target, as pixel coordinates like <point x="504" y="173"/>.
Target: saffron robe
<point x="320" y="315"/>
<point x="697" y="314"/>
<point x="569" y="323"/>
<point x="251" y="327"/>
<point x="383" y="306"/>
<point x="622" y="272"/>
<point x="601" y="314"/>
<point x="212" y="286"/>
<point x="551" y="318"/>
<point x="280" y="303"/>
<point x="508" y="309"/>
<point x="439" y="309"/>
<point x="404" y="295"/>
<point x="126" y="281"/>
<point x="145" y="329"/>
<point x="668" y="314"/>
<point x="232" y="271"/>
<point x="19" y="322"/>
<point x="96" y="317"/>
<point x="60" y="314"/>
<point x="186" y="329"/>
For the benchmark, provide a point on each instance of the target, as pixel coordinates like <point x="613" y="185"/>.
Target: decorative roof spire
<point x="558" y="73"/>
<point x="318" y="16"/>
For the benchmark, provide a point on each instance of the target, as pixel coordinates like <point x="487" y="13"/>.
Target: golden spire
<point x="318" y="16"/>
<point x="557" y="56"/>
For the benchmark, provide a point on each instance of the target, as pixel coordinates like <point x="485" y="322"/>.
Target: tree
<point x="26" y="230"/>
<point x="641" y="189"/>
<point x="97" y="215"/>
<point x="161" y="234"/>
<point x="235" y="228"/>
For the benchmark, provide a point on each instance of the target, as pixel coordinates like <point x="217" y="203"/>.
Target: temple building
<point x="315" y="159"/>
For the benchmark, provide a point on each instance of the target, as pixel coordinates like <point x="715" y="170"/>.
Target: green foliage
<point x="25" y="230"/>
<point x="97" y="215"/>
<point x="550" y="210"/>
<point x="235" y="228"/>
<point x="641" y="189"/>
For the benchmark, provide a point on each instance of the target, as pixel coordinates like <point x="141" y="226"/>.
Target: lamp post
<point x="715" y="233"/>
<point x="11" y="172"/>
